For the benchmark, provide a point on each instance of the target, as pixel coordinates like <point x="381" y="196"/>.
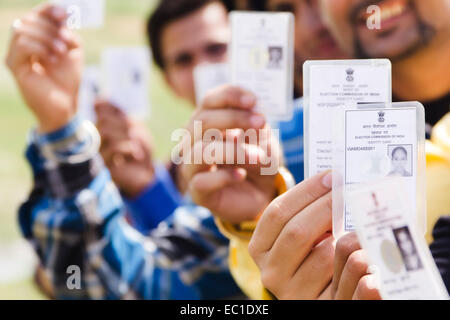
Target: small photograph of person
<point x="401" y="160"/>
<point x="407" y="248"/>
<point x="136" y="77"/>
<point x="275" y="57"/>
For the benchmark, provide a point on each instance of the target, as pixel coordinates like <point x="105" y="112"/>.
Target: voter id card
<point x="397" y="252"/>
<point x="375" y="141"/>
<point x="329" y="84"/>
<point x="83" y="13"/>
<point x="90" y="88"/>
<point x="262" y="60"/>
<point x="126" y="72"/>
<point x="209" y="76"/>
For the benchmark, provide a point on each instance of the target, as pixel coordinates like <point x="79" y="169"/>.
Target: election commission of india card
<point x="376" y="141"/>
<point x="83" y="14"/>
<point x="126" y="78"/>
<point x="209" y="76"/>
<point x="262" y="60"/>
<point x="397" y="252"/>
<point x="332" y="83"/>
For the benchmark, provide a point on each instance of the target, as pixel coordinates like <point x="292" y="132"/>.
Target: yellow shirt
<point x="242" y="267"/>
<point x="246" y="273"/>
<point x="438" y="174"/>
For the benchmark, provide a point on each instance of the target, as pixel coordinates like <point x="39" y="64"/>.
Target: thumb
<point x="205" y="183"/>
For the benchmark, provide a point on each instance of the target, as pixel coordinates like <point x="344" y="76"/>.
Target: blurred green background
<point x="124" y="25"/>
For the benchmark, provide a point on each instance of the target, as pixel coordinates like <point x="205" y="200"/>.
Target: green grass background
<point x="124" y="25"/>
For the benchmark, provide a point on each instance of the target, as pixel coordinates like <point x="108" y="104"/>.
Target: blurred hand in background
<point x="126" y="149"/>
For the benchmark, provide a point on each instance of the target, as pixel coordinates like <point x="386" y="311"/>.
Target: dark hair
<point x="167" y="12"/>
<point x="399" y="149"/>
<point x="258" y="5"/>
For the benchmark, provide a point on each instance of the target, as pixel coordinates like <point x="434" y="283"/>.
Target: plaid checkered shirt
<point x="74" y="216"/>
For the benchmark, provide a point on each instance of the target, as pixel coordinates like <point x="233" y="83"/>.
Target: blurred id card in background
<point x="262" y="60"/>
<point x="397" y="252"/>
<point x="209" y="76"/>
<point x="126" y="72"/>
<point x="375" y="141"/>
<point x="90" y="89"/>
<point x="83" y="13"/>
<point x="333" y="83"/>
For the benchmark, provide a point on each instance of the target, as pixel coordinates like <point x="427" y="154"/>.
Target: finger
<point x="201" y="156"/>
<point x="54" y="12"/>
<point x="110" y="136"/>
<point x="52" y="29"/>
<point x="139" y="132"/>
<point x="58" y="15"/>
<point x="113" y="122"/>
<point x="326" y="294"/>
<point x="345" y="246"/>
<point x="24" y="49"/>
<point x="300" y="234"/>
<point x="54" y="44"/>
<point x="227" y="155"/>
<point x="282" y="209"/>
<point x="355" y="268"/>
<point x="316" y="272"/>
<point x="367" y="289"/>
<point x="143" y="150"/>
<point x="228" y="96"/>
<point x="223" y="119"/>
<point x="266" y="152"/>
<point x="103" y="105"/>
<point x="109" y="119"/>
<point x="205" y="183"/>
<point x="41" y="22"/>
<point x="125" y="149"/>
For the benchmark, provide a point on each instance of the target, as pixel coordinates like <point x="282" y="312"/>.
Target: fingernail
<point x="254" y="153"/>
<point x="372" y="282"/>
<point x="248" y="100"/>
<point x="327" y="180"/>
<point x="64" y="34"/>
<point x="239" y="174"/>
<point x="257" y="121"/>
<point x="59" y="46"/>
<point x="58" y="12"/>
<point x="138" y="152"/>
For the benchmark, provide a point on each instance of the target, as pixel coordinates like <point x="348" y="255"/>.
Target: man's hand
<point x="292" y="244"/>
<point x="232" y="190"/>
<point x="351" y="279"/>
<point x="126" y="149"/>
<point x="46" y="61"/>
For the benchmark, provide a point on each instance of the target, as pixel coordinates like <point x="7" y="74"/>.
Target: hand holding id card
<point x="83" y="13"/>
<point x="397" y="251"/>
<point x="262" y="60"/>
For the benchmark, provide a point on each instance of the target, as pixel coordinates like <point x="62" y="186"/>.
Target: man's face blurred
<point x="313" y="41"/>
<point x="406" y="25"/>
<point x="201" y="37"/>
